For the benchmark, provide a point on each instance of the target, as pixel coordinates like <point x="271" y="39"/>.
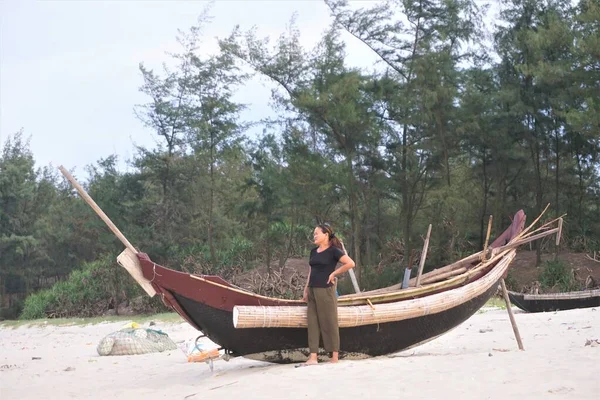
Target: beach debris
<point x="592" y="342"/>
<point x="561" y="390"/>
<point x="131" y="325"/>
<point x="198" y="352"/>
<point x="132" y="340"/>
<point x="484" y="330"/>
<point x="227" y="384"/>
<point x="6" y="367"/>
<point x="69" y="369"/>
<point x="36" y="358"/>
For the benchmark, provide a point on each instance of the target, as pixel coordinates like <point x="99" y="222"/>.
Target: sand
<point x="477" y="360"/>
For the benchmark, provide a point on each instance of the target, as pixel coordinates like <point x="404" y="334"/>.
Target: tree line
<point x="452" y="127"/>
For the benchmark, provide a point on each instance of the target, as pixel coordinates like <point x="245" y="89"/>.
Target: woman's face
<point x="319" y="237"/>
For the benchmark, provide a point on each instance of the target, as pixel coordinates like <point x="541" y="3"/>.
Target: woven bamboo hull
<point x="207" y="303"/>
<point x="286" y="345"/>
<point x="213" y="315"/>
<point x="555" y="302"/>
<point x="350" y="316"/>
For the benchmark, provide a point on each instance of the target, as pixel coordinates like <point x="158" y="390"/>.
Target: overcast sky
<point x="69" y="71"/>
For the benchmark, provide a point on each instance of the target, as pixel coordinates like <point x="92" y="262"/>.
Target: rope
<point x="154" y="272"/>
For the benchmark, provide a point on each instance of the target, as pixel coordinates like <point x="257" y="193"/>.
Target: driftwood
<point x="274" y="284"/>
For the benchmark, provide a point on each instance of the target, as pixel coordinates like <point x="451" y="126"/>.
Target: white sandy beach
<point x="477" y="360"/>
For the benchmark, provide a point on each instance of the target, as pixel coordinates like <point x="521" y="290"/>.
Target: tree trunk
<point x="211" y="244"/>
<point x="406" y="196"/>
<point x="355" y="251"/>
<point x="484" y="208"/>
<point x="368" y="249"/>
<point x="268" y="248"/>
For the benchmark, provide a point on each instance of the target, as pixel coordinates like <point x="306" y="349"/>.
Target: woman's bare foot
<point x="312" y="360"/>
<point x="334" y="357"/>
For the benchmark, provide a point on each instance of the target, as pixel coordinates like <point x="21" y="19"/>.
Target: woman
<point x="319" y="292"/>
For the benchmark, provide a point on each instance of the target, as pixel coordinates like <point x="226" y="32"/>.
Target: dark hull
<point x="368" y="340"/>
<point x="533" y="305"/>
<point x="207" y="303"/>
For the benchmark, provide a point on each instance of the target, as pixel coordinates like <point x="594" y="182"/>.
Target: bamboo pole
<point x="397" y="291"/>
<point x="127" y="259"/>
<point x="349" y="316"/>
<point x="441" y="277"/>
<point x="351" y="272"/>
<point x="98" y="210"/>
<point x="487" y="239"/>
<point x="423" y="257"/>
<point x="510" y="315"/>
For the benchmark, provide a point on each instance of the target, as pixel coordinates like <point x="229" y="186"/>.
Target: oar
<point x="97" y="209"/>
<point x="127" y="259"/>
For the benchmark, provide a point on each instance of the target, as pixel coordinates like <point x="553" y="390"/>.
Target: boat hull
<point x="557" y="302"/>
<point x="288" y="345"/>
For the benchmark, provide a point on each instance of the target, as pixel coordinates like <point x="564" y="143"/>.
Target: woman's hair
<point x="326" y="228"/>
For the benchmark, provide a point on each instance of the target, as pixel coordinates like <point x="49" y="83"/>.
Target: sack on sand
<point x="131" y="341"/>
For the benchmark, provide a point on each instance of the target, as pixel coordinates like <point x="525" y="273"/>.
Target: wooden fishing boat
<point x="555" y="301"/>
<point x="372" y="323"/>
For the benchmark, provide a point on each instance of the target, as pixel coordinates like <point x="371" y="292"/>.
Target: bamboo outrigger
<point x="372" y="323"/>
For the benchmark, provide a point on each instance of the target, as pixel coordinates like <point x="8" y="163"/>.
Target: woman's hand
<point x="305" y="297"/>
<point x="331" y="278"/>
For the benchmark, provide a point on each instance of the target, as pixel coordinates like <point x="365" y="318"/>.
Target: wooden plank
<point x="423" y="257"/>
<point x="128" y="260"/>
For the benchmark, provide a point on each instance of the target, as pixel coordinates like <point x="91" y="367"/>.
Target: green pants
<point x="323" y="319"/>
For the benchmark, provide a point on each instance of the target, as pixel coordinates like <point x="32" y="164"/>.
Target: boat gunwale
<point x="580" y="294"/>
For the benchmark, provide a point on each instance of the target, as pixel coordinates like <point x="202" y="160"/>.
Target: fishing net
<point x="131" y="341"/>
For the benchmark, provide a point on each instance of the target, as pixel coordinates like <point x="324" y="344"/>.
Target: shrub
<point x="89" y="291"/>
<point x="555" y="273"/>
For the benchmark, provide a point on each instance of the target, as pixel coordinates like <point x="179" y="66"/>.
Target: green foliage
<point x="442" y="131"/>
<point x="239" y="252"/>
<point x="374" y="277"/>
<point x="511" y="282"/>
<point x="89" y="291"/>
<point x="556" y="274"/>
<point x="37" y="305"/>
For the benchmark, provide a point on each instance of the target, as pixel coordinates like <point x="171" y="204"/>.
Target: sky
<point x="69" y="70"/>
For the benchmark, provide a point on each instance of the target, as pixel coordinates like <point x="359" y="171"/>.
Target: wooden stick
<point x="423" y="256"/>
<point x="457" y="265"/>
<point x="351" y="272"/>
<point x="370" y="304"/>
<point x="97" y="209"/>
<point x="441" y="277"/>
<point x="593" y="258"/>
<point x="487" y="239"/>
<point x="510" y="315"/>
<point x="558" y="235"/>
